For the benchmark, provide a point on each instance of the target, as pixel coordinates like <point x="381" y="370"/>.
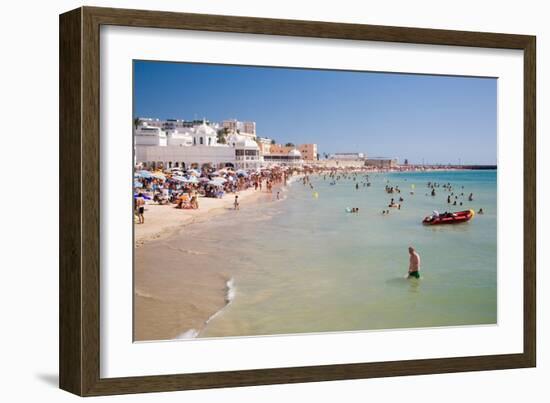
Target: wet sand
<point x="177" y="290"/>
<point x="162" y="221"/>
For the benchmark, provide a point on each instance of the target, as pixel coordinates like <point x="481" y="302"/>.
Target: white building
<point x="151" y="157"/>
<point x="347" y="156"/>
<point x="179" y="138"/>
<point x="247" y="154"/>
<point x="195" y="147"/>
<point x="150" y="122"/>
<point x="204" y="135"/>
<point x="233" y="139"/>
<point x="146" y="135"/>
<point x="292" y="158"/>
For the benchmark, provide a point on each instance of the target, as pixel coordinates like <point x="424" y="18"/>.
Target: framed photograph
<point x="248" y="201"/>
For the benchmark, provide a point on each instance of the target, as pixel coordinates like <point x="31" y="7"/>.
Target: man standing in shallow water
<point x="414" y="263"/>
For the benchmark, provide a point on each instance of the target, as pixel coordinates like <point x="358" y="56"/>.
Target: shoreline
<point x="167" y="219"/>
<point x="177" y="301"/>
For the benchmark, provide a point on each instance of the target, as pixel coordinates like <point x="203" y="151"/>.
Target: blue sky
<point x="437" y="119"/>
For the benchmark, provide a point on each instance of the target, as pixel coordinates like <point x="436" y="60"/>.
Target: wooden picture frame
<point x="79" y="346"/>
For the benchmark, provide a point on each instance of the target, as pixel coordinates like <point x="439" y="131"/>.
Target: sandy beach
<point x="174" y="296"/>
<point x="162" y="220"/>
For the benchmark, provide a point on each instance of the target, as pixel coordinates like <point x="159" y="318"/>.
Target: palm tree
<point x="289" y="145"/>
<point x="221" y="135"/>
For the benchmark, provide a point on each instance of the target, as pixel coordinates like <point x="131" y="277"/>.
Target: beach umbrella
<point x="158" y="175"/>
<point x="138" y="184"/>
<point x="191" y="179"/>
<point x="144" y="195"/>
<point x="194" y="172"/>
<point x="203" y="179"/>
<point x="218" y="180"/>
<point x="214" y="183"/>
<point x="215" y="173"/>
<point x="183" y="179"/>
<point x="144" y="174"/>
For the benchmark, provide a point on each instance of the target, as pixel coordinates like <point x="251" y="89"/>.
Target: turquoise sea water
<point x="303" y="264"/>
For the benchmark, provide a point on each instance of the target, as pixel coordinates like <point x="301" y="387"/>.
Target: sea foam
<point x="188" y="334"/>
<point x="230" y="293"/>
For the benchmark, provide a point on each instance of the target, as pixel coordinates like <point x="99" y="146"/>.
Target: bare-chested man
<point x="140" y="208"/>
<point x="414" y="263"/>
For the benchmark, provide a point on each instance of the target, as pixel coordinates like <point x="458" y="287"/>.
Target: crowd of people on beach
<point x="183" y="188"/>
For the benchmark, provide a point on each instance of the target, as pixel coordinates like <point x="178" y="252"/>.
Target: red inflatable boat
<point x="449" y="218"/>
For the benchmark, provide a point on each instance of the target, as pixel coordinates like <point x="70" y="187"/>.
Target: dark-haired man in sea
<point x="414" y="263"/>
